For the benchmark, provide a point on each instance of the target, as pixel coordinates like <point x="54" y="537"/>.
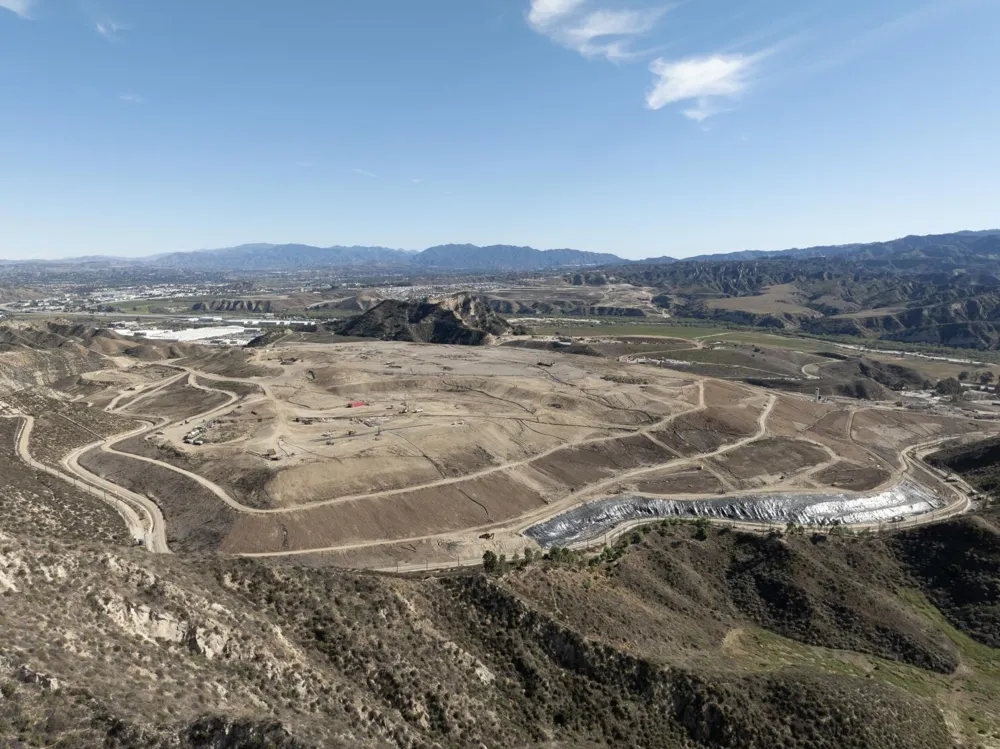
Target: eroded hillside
<point x="458" y="319"/>
<point x="677" y="638"/>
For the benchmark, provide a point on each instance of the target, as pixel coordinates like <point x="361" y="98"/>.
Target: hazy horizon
<point x="137" y="256"/>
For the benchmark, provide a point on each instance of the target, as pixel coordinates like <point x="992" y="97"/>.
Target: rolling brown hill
<point x="40" y="353"/>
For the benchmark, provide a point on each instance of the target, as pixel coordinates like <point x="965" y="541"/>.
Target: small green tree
<point x="490" y="562"/>
<point x="701" y="532"/>
<point x="948" y="386"/>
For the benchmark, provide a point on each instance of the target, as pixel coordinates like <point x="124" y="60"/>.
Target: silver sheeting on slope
<point x="591" y="521"/>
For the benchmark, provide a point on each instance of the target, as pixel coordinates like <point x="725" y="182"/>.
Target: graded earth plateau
<point x="361" y="533"/>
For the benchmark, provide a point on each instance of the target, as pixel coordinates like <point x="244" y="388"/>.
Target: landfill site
<point x="391" y="455"/>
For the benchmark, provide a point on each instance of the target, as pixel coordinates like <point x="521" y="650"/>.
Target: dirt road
<point x="142" y="516"/>
<point x="153" y="528"/>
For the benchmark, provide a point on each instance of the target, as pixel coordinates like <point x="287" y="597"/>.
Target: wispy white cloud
<point x="131" y="98"/>
<point x="109" y="29"/>
<point x="706" y="81"/>
<point x="713" y="80"/>
<point x="18" y="7"/>
<point x="544" y="13"/>
<point x="364" y="173"/>
<point x="417" y="180"/>
<point x="596" y="33"/>
<point x="305" y="164"/>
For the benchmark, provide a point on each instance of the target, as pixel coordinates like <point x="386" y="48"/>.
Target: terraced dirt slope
<point x="677" y="638"/>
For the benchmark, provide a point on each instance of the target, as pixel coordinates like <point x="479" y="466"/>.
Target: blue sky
<point x="139" y="126"/>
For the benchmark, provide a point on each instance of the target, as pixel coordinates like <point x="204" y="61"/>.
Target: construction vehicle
<point x="486" y="536"/>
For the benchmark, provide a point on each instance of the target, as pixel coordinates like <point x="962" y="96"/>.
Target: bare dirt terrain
<point x="408" y="453"/>
<point x="411" y="453"/>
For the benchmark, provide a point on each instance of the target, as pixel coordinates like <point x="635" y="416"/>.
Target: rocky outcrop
<point x="256" y="306"/>
<point x="460" y="319"/>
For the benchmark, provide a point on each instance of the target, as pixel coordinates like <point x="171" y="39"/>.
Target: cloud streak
<point x="706" y="81"/>
<point x="544" y="13"/>
<point x="131" y="98"/>
<point x="364" y="173"/>
<point x="595" y="33"/>
<point x="108" y="29"/>
<point x="20" y="8"/>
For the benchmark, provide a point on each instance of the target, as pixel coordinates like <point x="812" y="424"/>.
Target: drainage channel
<point x="591" y="521"/>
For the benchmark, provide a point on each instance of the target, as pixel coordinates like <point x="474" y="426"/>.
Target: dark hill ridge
<point x="911" y="247"/>
<point x="459" y="319"/>
<point x="862" y="378"/>
<point x="940" y="290"/>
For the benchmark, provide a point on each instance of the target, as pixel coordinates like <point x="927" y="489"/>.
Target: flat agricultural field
<point x="774" y="299"/>
<point x="665" y="329"/>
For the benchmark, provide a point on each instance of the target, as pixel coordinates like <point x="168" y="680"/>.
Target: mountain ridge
<point x="943" y="250"/>
<point x="468" y="257"/>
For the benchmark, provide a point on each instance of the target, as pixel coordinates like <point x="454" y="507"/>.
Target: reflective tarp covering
<point x="587" y="522"/>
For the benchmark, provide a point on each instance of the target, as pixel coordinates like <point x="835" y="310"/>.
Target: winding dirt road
<point x="141" y="515"/>
<point x="153" y="529"/>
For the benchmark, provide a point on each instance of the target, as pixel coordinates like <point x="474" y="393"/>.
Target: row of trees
<point x="953" y="386"/>
<point x="981" y="376"/>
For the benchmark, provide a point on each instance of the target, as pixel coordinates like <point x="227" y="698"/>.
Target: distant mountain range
<point x="450" y="257"/>
<point x="943" y="250"/>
